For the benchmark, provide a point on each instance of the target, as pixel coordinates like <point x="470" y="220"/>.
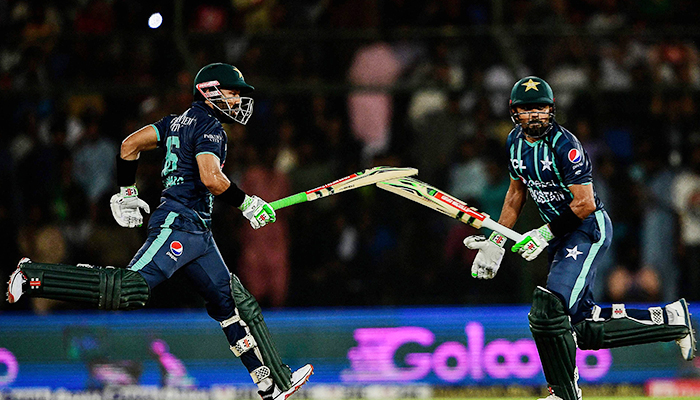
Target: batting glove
<point x="490" y="255"/>
<point x="126" y="207"/>
<point x="534" y="242"/>
<point x="257" y="211"/>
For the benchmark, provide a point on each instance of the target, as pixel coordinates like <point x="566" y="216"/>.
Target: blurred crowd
<point x="343" y="85"/>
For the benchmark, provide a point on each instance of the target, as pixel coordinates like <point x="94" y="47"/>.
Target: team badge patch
<point x="574" y="156"/>
<point x="176" y="248"/>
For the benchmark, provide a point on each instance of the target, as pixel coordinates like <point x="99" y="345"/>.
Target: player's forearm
<point x="217" y="183"/>
<point x="582" y="207"/>
<point x="512" y="206"/>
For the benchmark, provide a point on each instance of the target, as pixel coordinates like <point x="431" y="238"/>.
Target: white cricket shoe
<point x="299" y="377"/>
<point x="15" y="286"/>
<point x="678" y="314"/>
<point x="553" y="396"/>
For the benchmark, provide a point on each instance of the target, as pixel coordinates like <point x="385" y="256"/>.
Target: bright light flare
<point x="155" y="20"/>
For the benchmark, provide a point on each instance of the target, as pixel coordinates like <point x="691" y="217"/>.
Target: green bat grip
<point x="289" y="201"/>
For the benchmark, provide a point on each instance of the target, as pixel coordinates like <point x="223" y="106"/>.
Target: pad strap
<point x="243" y="345"/>
<point x="236" y="318"/>
<point x="260" y="373"/>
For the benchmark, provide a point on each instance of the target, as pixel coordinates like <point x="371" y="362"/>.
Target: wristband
<point x="498" y="239"/>
<point x="546" y="232"/>
<point x="566" y="222"/>
<point x="126" y="171"/>
<point x="233" y="195"/>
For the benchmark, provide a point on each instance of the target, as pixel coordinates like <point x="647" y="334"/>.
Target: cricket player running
<point x="549" y="162"/>
<point x="179" y="232"/>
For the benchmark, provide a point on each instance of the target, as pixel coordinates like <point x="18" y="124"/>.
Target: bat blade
<point x="366" y="177"/>
<point x="432" y="197"/>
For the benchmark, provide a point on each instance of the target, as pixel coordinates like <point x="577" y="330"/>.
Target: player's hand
<point x="532" y="245"/>
<point x="490" y="255"/>
<point x="257" y="211"/>
<point x="126" y="207"/>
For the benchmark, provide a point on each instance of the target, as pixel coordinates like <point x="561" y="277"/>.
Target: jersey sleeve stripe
<point x="207" y="152"/>
<point x="157" y="133"/>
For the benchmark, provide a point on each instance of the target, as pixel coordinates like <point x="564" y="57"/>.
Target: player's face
<point x="534" y="118"/>
<point x="231" y="96"/>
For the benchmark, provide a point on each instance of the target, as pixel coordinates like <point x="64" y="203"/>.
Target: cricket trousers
<point x="573" y="261"/>
<point x="169" y="248"/>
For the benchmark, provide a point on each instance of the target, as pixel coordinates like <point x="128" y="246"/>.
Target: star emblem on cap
<point x="531" y="85"/>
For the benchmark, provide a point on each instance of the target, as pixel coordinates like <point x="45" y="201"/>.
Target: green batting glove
<point x="257" y="211"/>
<point x="534" y="242"/>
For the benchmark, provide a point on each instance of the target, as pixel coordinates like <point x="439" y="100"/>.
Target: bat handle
<point x="289" y="201"/>
<point x="507" y="232"/>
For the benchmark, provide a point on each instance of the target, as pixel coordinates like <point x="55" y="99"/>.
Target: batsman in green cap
<point x="179" y="231"/>
<point x="549" y="163"/>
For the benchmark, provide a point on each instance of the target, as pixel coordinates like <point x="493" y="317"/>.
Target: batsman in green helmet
<point x="179" y="231"/>
<point x="548" y="163"/>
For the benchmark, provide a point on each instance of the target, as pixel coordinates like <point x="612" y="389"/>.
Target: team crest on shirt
<point x="175" y="250"/>
<point x="575" y="156"/>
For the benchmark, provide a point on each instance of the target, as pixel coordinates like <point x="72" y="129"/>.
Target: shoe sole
<point x="688" y="322"/>
<point x="297" y="385"/>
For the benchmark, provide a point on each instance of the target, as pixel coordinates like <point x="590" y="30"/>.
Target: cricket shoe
<point x="15" y="286"/>
<point x="299" y="378"/>
<point x="553" y="396"/>
<point x="678" y="314"/>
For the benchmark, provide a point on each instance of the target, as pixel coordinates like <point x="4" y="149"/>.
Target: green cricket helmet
<point x="213" y="77"/>
<point x="532" y="90"/>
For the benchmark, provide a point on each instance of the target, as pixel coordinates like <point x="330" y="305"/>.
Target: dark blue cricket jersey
<point x="548" y="167"/>
<point x="184" y="137"/>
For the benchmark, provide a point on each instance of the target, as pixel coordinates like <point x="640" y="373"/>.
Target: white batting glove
<point x="490" y="255"/>
<point x="126" y="207"/>
<point x="257" y="211"/>
<point x="535" y="241"/>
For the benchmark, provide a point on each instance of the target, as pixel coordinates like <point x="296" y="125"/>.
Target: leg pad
<point x="250" y="313"/>
<point x="106" y="288"/>
<point x="609" y="328"/>
<point x="551" y="329"/>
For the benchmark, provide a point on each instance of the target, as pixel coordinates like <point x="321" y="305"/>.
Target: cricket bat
<point x="367" y="177"/>
<point x="432" y="197"/>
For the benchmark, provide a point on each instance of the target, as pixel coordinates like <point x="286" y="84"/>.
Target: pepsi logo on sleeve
<point x="575" y="156"/>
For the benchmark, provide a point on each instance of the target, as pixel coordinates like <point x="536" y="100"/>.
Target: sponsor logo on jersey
<point x="176" y="248"/>
<point x="182" y="120"/>
<point x="213" y="138"/>
<point x="575" y="156"/>
<point x="518" y="164"/>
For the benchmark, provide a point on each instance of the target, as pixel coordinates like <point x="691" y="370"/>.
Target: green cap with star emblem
<point x="228" y="76"/>
<point x="531" y="90"/>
